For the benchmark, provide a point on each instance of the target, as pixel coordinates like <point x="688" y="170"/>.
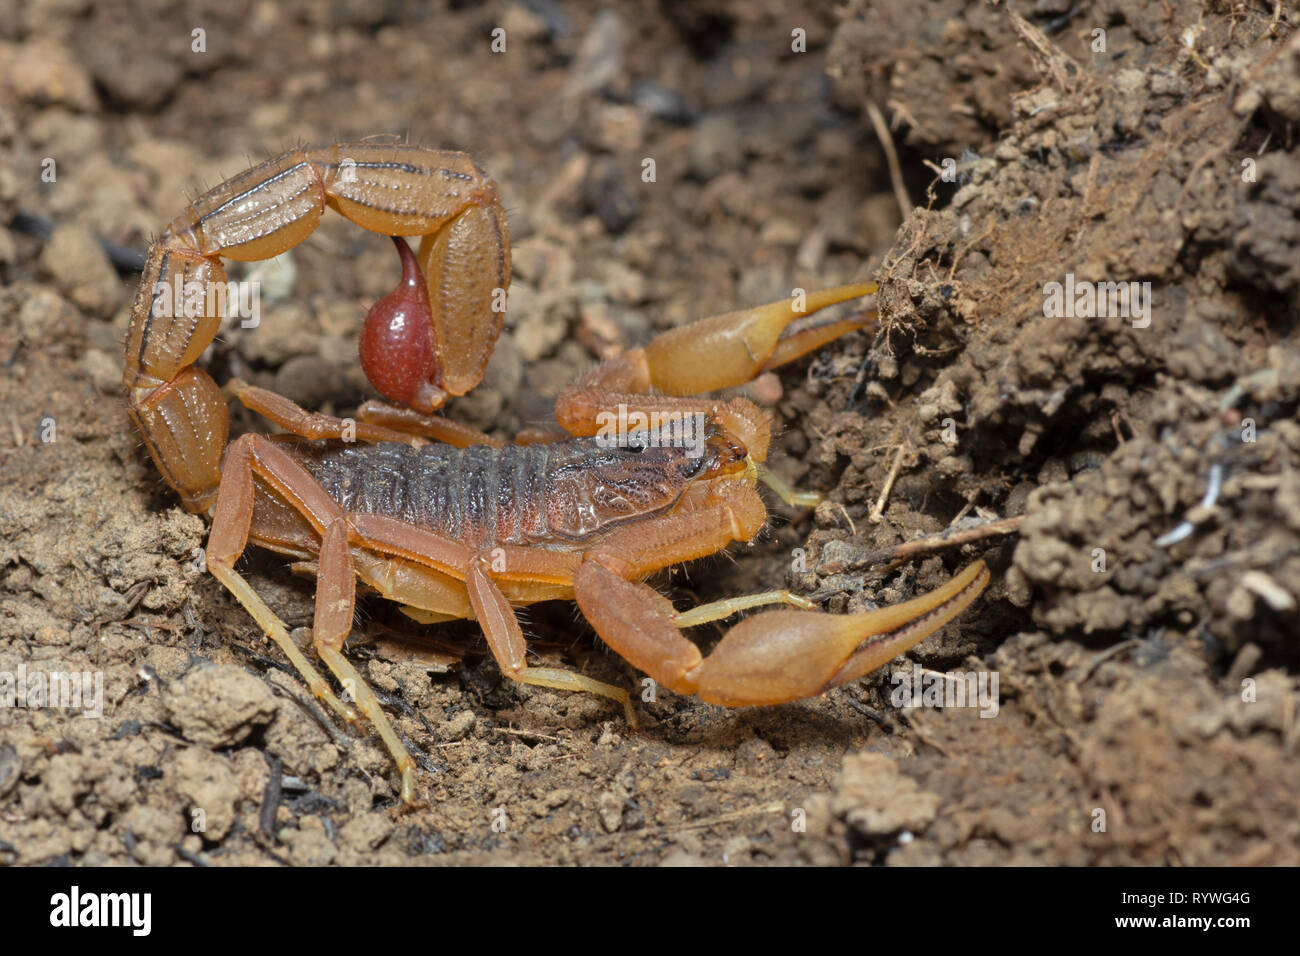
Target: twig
<point x="853" y="529"/>
<point x="891" y="157"/>
<point x="726" y="817"/>
<point x="1103" y="656"/>
<point x="526" y="733"/>
<point x="271" y="796"/>
<point x="879" y="510"/>
<point x="965" y="510"/>
<point x="931" y="544"/>
<point x="1048" y="58"/>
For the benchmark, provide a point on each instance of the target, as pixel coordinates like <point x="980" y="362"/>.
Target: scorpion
<point x="452" y="523"/>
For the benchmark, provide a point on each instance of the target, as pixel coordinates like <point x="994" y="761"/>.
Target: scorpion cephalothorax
<point x="472" y="531"/>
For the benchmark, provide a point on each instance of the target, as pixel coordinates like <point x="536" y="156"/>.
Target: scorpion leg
<point x="336" y="590"/>
<point x="717" y="610"/>
<point x="335" y="594"/>
<point x="770" y="658"/>
<point x="296" y="420"/>
<point x="490" y="607"/>
<point x="505" y="637"/>
<point x="435" y="427"/>
<point x="375" y="421"/>
<point x="226" y="542"/>
<point x="421" y="592"/>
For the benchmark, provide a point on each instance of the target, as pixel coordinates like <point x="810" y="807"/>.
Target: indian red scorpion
<point x="451" y="523"/>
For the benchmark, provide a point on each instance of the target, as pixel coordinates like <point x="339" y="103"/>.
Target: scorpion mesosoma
<point x="447" y="521"/>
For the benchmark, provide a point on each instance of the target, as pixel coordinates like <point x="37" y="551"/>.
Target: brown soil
<point x="1148" y="682"/>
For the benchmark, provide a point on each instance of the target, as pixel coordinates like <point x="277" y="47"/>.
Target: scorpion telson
<point x="452" y="523"/>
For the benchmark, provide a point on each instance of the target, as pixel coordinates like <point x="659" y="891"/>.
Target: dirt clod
<point x="219" y="706"/>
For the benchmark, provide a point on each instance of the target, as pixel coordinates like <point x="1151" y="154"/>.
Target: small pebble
<point x="80" y="268"/>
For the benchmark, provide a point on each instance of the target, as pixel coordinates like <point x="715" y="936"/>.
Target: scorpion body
<point x="556" y="494"/>
<point x="472" y="531"/>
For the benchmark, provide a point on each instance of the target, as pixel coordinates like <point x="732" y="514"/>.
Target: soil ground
<point x="1142" y="622"/>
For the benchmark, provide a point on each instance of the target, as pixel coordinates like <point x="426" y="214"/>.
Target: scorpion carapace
<point x="474" y="530"/>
